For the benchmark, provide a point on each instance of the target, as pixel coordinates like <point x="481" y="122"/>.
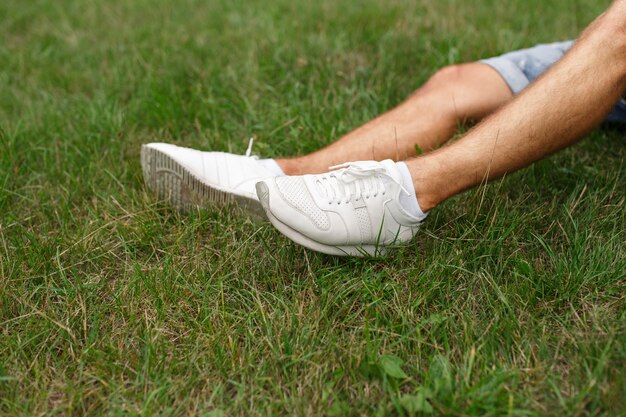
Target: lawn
<point x="510" y="301"/>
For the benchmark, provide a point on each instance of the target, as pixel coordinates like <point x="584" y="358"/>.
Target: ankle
<point x="427" y="202"/>
<point x="408" y="199"/>
<point x="429" y="191"/>
<point x="289" y="166"/>
<point x="301" y="165"/>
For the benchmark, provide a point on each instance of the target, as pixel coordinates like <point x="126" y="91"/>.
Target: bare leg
<point x="428" y="119"/>
<point x="566" y="103"/>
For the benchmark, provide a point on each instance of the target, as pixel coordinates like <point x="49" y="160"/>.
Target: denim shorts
<point x="520" y="68"/>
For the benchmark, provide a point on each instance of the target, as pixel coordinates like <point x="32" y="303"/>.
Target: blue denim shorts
<point x="520" y="68"/>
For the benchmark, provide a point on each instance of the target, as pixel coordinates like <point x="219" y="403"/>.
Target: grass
<point x="511" y="301"/>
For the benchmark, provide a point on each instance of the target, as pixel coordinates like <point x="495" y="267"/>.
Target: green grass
<point x="511" y="301"/>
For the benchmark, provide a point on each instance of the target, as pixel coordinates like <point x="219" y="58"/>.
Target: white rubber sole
<point x="173" y="183"/>
<point x="299" y="238"/>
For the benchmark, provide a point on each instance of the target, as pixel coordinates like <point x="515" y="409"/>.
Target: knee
<point x="441" y="89"/>
<point x="447" y="83"/>
<point x="451" y="79"/>
<point x="613" y="21"/>
<point x="608" y="32"/>
<point x="609" y="27"/>
<point x="448" y="77"/>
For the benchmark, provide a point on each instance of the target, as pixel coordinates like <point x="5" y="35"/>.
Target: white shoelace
<point x="249" y="149"/>
<point x="362" y="179"/>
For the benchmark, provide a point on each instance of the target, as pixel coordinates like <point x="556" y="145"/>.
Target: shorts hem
<point x="510" y="73"/>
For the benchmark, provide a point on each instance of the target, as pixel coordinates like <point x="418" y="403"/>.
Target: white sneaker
<point x="189" y="178"/>
<point x="351" y="211"/>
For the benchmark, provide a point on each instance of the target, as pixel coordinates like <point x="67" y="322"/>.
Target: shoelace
<point x="362" y="179"/>
<point x="249" y="149"/>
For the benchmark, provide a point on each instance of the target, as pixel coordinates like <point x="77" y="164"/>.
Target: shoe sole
<point x="299" y="238"/>
<point x="172" y="182"/>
